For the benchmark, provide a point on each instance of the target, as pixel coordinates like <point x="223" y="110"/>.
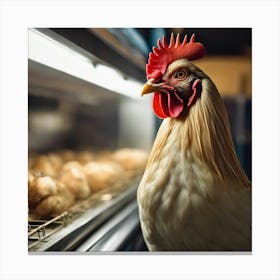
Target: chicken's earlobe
<point x="196" y="83"/>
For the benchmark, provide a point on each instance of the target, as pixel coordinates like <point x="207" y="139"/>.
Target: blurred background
<point x="90" y="132"/>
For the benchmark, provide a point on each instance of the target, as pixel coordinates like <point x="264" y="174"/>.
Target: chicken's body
<point x="194" y="194"/>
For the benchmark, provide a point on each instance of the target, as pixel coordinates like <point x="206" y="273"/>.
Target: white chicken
<point x="194" y="194"/>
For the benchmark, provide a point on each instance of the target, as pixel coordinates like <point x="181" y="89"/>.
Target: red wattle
<point x="164" y="103"/>
<point x="167" y="105"/>
<point x="157" y="106"/>
<point x="170" y="105"/>
<point x="175" y="105"/>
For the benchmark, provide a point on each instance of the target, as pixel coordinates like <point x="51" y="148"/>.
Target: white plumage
<point x="194" y="194"/>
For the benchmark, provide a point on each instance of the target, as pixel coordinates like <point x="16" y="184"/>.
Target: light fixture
<point x="49" y="52"/>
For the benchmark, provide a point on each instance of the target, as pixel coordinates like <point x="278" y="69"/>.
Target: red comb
<point x="162" y="56"/>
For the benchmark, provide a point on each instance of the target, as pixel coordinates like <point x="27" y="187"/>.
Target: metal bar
<point x="72" y="235"/>
<point x="114" y="221"/>
<point x="61" y="216"/>
<point x="114" y="240"/>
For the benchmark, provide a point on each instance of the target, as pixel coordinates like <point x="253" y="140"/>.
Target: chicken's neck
<point x="204" y="132"/>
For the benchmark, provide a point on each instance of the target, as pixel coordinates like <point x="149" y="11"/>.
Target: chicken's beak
<point x="148" y="88"/>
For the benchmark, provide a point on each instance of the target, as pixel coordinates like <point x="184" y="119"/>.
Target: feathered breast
<point x="203" y="131"/>
<point x="194" y="194"/>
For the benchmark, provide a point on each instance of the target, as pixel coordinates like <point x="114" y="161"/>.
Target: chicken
<point x="46" y="196"/>
<point x="75" y="180"/>
<point x="54" y="204"/>
<point x="130" y="159"/>
<point x="39" y="187"/>
<point x="102" y="174"/>
<point x="194" y="194"/>
<point x="43" y="164"/>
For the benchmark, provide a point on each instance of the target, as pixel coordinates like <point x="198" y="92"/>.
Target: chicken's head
<point x="175" y="81"/>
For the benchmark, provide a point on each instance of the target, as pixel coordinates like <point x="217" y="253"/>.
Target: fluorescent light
<point x="49" y="52"/>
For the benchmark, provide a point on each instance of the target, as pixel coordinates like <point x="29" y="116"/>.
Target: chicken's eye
<point x="180" y="75"/>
